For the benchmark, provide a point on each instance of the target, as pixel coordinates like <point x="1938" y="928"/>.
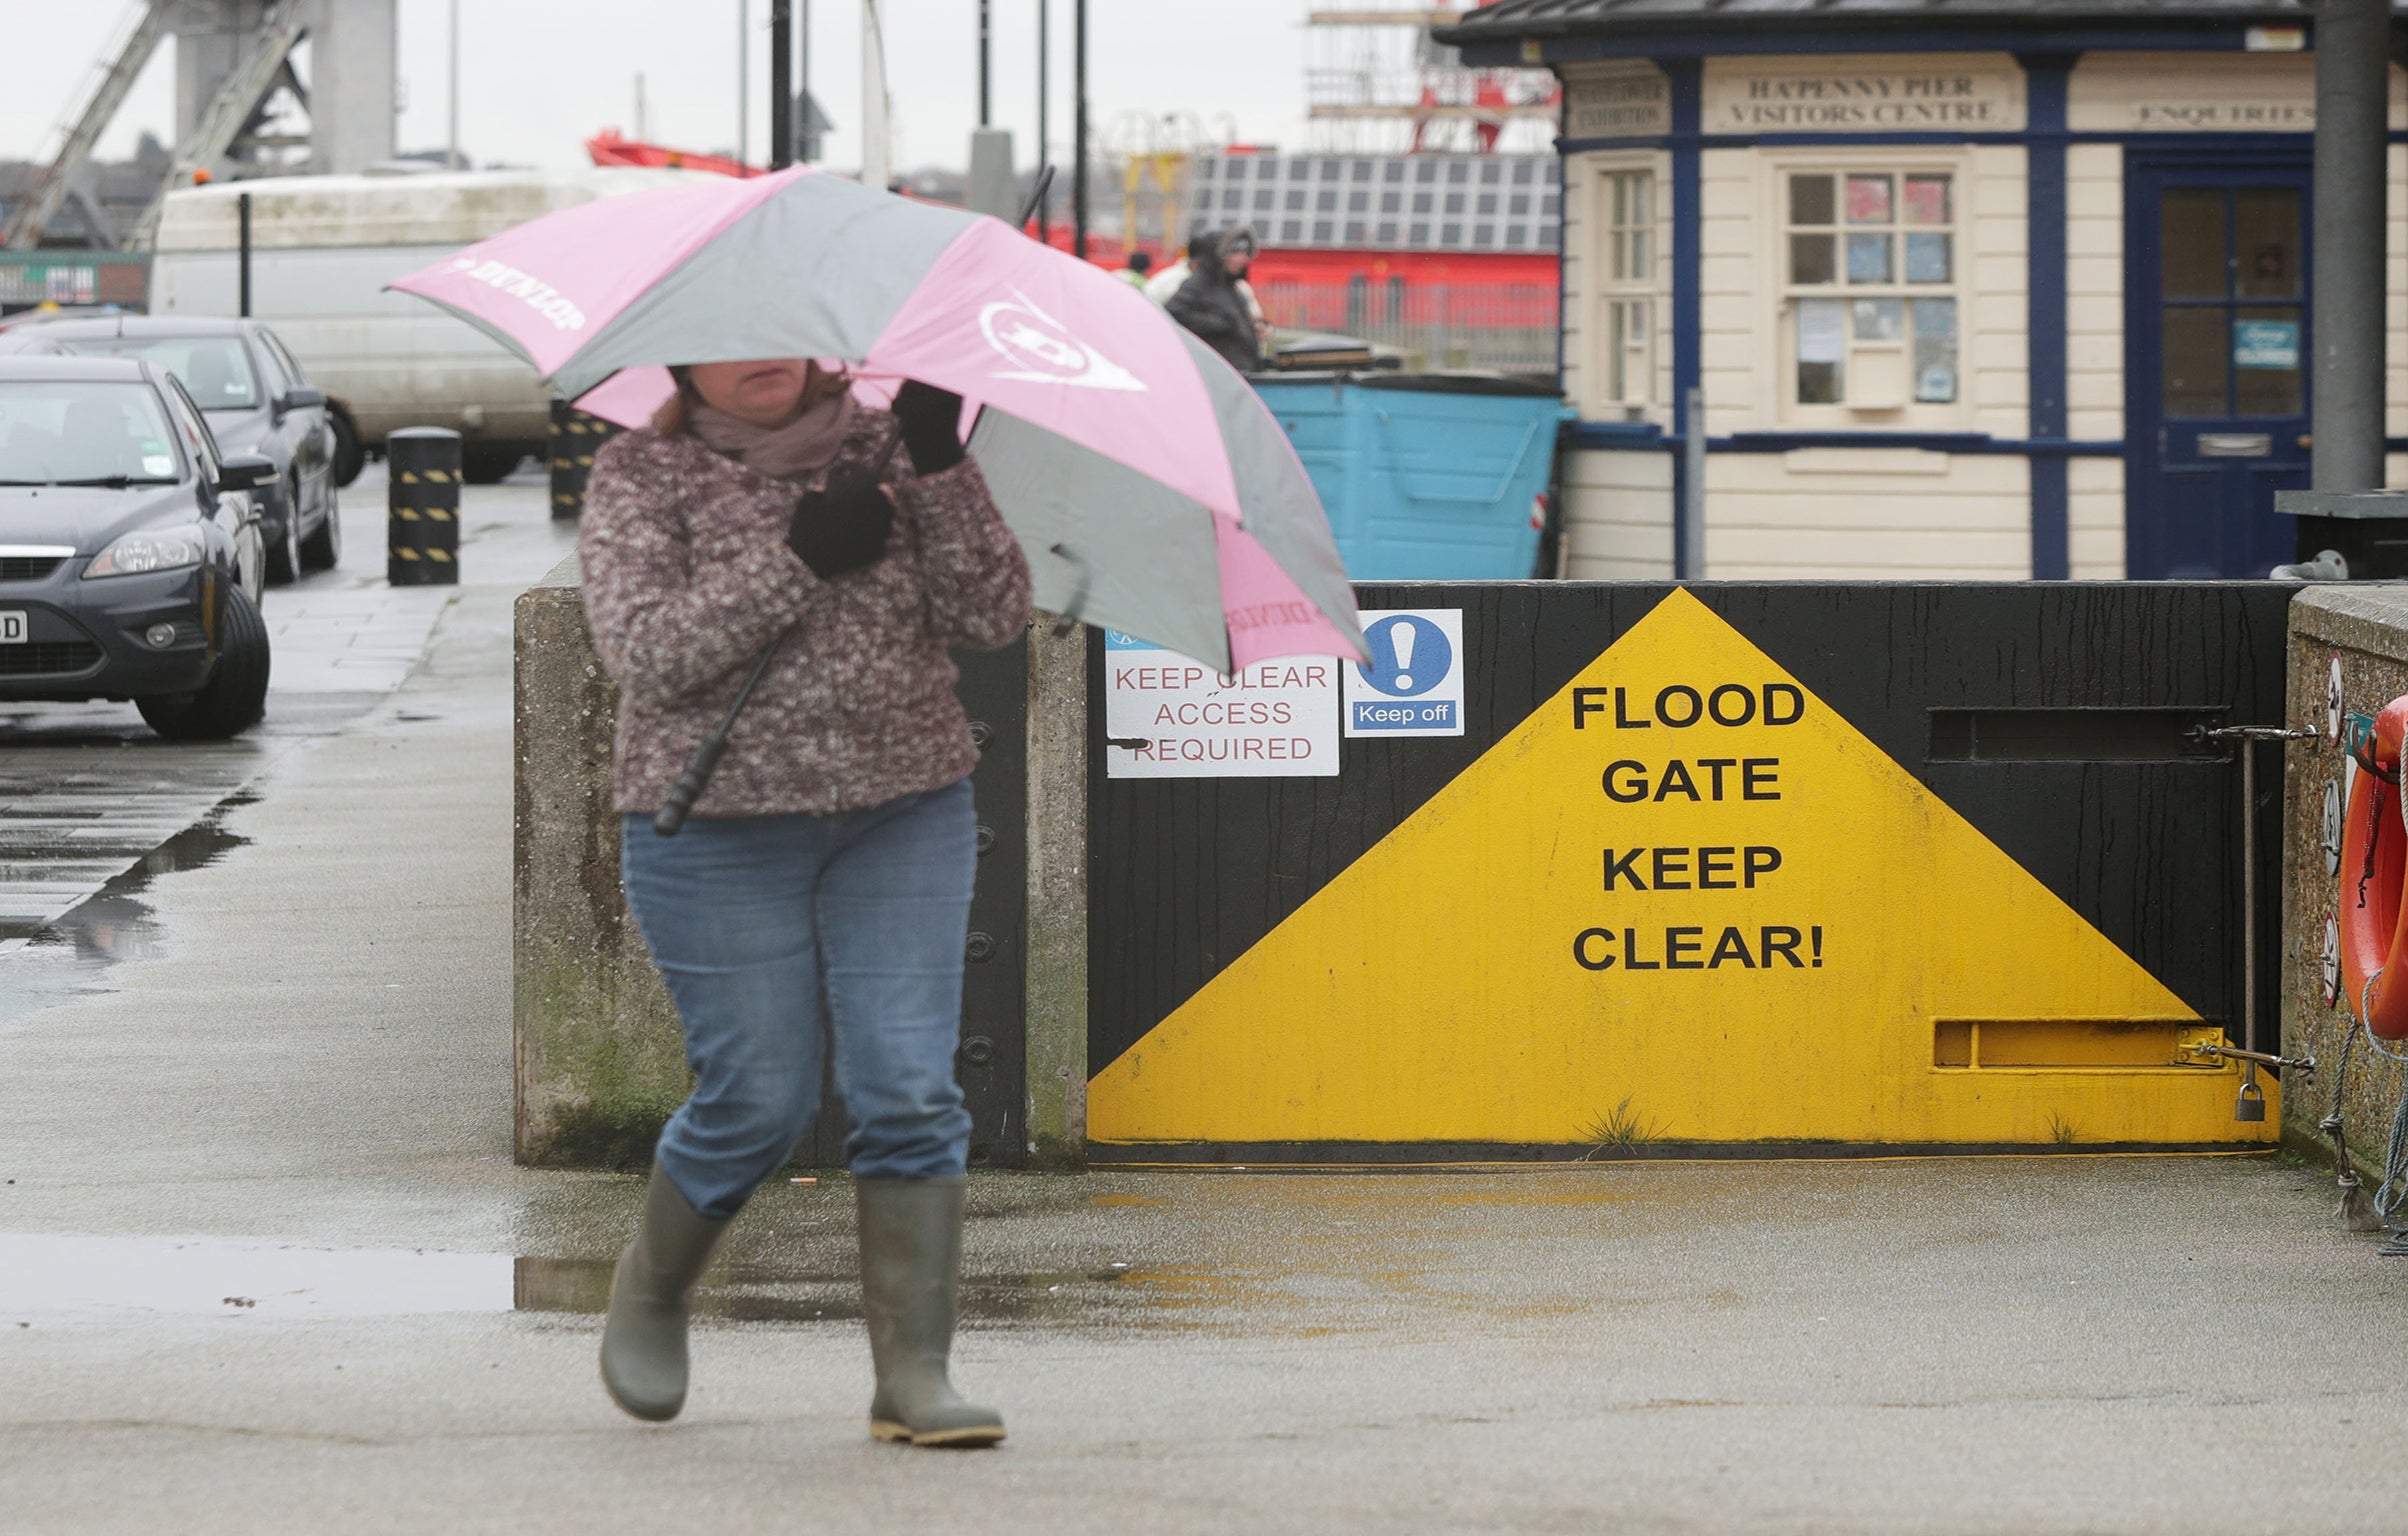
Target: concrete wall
<point x="2366" y="628"/>
<point x="600" y="1061"/>
<point x="600" y="1057"/>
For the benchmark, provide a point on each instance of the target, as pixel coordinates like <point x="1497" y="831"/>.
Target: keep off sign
<point x="1413" y="684"/>
<point x="1167" y="717"/>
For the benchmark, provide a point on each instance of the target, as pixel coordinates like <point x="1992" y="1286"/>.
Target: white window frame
<point x="1626" y="308"/>
<point x="1869" y="362"/>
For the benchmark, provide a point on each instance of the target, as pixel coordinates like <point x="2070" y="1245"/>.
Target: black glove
<point x="932" y="426"/>
<point x="843" y="525"/>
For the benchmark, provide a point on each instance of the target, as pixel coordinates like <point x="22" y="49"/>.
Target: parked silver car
<point x="257" y="400"/>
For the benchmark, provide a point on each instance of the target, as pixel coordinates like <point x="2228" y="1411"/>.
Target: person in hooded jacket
<point x="822" y="887"/>
<point x="1211" y="305"/>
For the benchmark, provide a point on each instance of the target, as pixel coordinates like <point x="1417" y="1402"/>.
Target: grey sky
<point x="539" y="76"/>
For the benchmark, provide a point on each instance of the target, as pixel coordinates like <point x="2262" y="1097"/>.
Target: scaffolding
<point x="1377" y="83"/>
<point x="1151" y="156"/>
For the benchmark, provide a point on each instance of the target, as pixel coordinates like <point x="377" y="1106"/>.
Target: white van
<point x="322" y="249"/>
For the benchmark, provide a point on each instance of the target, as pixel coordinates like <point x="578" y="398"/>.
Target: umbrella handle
<point x="690" y="784"/>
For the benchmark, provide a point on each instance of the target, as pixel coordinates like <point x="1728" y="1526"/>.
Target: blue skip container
<point x="1425" y="476"/>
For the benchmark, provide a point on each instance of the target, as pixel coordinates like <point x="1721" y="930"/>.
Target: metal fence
<point x="1511" y="327"/>
<point x="73" y="277"/>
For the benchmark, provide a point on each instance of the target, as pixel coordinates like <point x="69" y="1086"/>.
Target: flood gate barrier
<point x="1583" y="870"/>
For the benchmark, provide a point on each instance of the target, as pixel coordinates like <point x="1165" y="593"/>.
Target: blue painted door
<point x="2216" y="352"/>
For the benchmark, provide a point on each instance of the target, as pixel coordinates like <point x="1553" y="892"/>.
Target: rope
<point x="2393" y="1191"/>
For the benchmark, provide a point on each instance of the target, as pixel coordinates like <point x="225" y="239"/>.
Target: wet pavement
<point x="92" y="803"/>
<point x="266" y="1266"/>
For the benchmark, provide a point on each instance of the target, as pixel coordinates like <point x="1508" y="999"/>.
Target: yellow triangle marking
<point x="408" y="478"/>
<point x="1431" y="992"/>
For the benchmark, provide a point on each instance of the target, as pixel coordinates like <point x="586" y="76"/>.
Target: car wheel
<point x="323" y="547"/>
<point x="350" y="454"/>
<point x="236" y="695"/>
<point x="487" y="464"/>
<point x="284" y="555"/>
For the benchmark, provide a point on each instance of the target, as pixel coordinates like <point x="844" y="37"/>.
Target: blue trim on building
<point x="1686" y="78"/>
<point x="1824" y="37"/>
<point x="2045" y="77"/>
<point x="2134" y="139"/>
<point x="1640" y="437"/>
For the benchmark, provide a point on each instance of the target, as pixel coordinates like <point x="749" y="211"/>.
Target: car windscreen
<point x="73" y="432"/>
<point x="216" y="370"/>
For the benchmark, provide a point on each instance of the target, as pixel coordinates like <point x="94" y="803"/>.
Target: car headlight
<point x="162" y="549"/>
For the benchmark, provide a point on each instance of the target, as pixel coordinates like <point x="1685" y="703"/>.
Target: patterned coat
<point x="687" y="576"/>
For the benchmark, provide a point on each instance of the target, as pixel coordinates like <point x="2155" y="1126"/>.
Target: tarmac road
<point x="265" y="1266"/>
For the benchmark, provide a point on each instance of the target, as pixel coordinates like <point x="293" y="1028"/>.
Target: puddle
<point x="756" y="1293"/>
<point x="52" y="1275"/>
<point x="70" y="955"/>
<point x="49" y="1276"/>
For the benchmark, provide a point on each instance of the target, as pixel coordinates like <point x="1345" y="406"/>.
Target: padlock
<point x="2251" y="1105"/>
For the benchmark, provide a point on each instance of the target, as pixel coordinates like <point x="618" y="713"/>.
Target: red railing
<point x="1507" y="326"/>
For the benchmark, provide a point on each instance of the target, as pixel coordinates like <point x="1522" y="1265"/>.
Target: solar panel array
<point x="1431" y="202"/>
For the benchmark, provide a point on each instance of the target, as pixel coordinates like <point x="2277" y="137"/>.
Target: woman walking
<point x="825" y="877"/>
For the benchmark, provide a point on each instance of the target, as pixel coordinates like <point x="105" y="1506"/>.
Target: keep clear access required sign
<point x="1169" y="717"/>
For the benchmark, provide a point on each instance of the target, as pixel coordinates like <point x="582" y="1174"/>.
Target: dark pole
<point x="2353" y="62"/>
<point x="242" y="212"/>
<point x="1044" y="60"/>
<point x="986" y="68"/>
<point x="1078" y="130"/>
<point x="809" y="142"/>
<point x="781" y="84"/>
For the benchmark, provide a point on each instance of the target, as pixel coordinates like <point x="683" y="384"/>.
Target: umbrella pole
<point x="671" y="817"/>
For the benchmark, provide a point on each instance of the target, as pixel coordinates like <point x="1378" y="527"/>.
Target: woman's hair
<point x="672" y="419"/>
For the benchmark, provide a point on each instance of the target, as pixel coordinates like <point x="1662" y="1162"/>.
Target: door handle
<point x="2235" y="445"/>
<point x="2307" y="439"/>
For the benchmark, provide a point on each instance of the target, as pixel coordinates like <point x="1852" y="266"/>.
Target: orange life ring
<point x="2374" y="866"/>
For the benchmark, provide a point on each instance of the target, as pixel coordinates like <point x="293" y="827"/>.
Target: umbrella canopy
<point x="1150" y="486"/>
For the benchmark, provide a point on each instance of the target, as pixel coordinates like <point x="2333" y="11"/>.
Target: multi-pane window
<point x="1872" y="269"/>
<point x="1626" y="199"/>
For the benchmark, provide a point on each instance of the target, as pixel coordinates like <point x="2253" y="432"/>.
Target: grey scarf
<point x="795" y="449"/>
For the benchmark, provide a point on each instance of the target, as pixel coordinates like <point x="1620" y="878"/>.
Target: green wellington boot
<point x="644" y="1337"/>
<point x="911" y="1250"/>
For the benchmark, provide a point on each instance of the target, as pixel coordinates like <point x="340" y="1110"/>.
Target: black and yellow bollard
<point x="575" y="437"/>
<point x="422" y="506"/>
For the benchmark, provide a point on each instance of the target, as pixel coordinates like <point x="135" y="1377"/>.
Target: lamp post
<point x="1044" y="62"/>
<point x="1078" y="130"/>
<point x="781" y="84"/>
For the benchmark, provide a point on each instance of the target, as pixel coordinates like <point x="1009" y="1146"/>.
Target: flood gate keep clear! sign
<point x="1684" y="878"/>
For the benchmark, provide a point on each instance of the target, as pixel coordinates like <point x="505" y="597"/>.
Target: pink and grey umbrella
<point x="1152" y="489"/>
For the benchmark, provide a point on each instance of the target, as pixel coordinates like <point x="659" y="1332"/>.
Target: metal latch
<point x="2304" y="1065"/>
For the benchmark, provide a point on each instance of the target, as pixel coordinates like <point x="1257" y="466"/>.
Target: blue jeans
<point x="775" y="932"/>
